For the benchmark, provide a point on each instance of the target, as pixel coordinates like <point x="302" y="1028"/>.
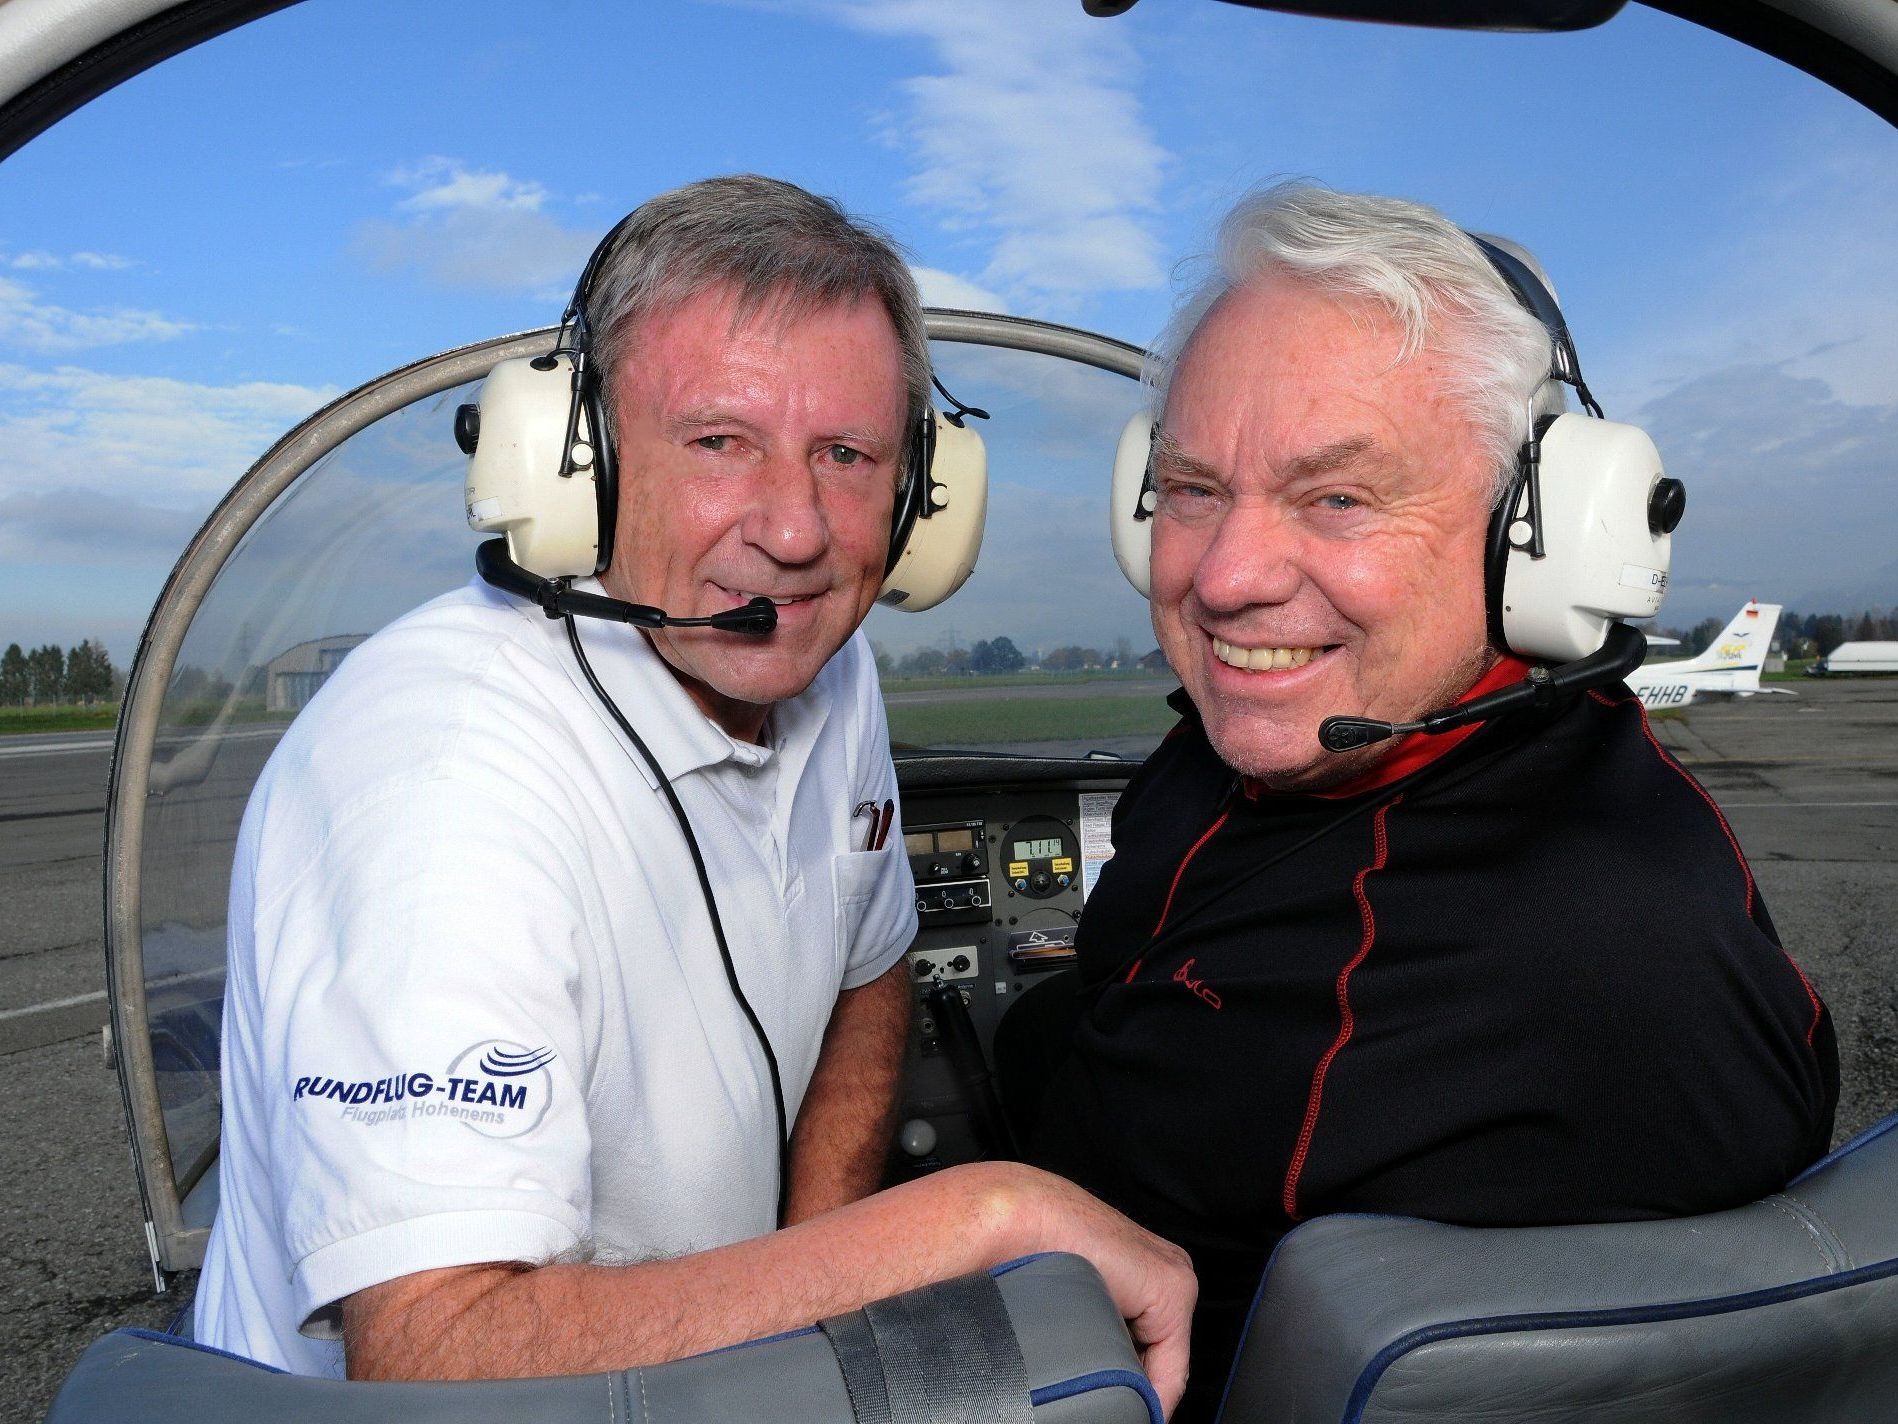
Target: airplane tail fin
<point x="1742" y="645"/>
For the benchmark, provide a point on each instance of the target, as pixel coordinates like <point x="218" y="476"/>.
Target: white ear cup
<point x="1133" y="537"/>
<point x="514" y="483"/>
<point x="943" y="543"/>
<point x="1601" y="559"/>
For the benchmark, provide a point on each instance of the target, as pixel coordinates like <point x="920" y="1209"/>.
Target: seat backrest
<point x="1785" y="1310"/>
<point x="1080" y="1369"/>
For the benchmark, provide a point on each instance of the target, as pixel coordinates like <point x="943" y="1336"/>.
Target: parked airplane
<point x="1730" y="666"/>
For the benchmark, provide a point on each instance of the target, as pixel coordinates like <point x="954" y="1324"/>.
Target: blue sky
<point x="198" y="260"/>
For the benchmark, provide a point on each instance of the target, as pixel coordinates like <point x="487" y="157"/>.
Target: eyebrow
<point x="685" y="420"/>
<point x="1321" y="461"/>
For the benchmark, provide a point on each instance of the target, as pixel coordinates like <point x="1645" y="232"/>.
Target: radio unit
<point x="950" y="863"/>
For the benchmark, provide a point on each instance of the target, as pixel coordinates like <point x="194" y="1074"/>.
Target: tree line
<point x="1000" y="655"/>
<point x="1803" y="635"/>
<point x="51" y="675"/>
<point x="1811" y="635"/>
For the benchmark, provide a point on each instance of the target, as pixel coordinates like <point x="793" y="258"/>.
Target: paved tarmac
<point x="1810" y="784"/>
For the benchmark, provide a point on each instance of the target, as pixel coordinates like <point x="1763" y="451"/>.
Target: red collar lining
<point x="1414" y="752"/>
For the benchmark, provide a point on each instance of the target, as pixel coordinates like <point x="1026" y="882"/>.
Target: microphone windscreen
<point x="1347" y="734"/>
<point x="758" y="617"/>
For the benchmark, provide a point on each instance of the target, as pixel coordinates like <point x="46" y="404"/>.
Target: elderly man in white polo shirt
<point x="493" y="1105"/>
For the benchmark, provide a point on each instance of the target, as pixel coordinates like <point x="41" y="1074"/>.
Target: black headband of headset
<point x="1535" y="298"/>
<point x="576" y="339"/>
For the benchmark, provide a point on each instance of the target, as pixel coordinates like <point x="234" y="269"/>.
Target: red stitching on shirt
<point x="1346" y="1020"/>
<point x="1667" y="759"/>
<point x="1167" y="908"/>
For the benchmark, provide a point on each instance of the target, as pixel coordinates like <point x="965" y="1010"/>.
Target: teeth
<point x="780" y="602"/>
<point x="1262" y="659"/>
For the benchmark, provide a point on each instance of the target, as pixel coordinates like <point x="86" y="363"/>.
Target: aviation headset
<point x="1581" y="538"/>
<point x="543" y="474"/>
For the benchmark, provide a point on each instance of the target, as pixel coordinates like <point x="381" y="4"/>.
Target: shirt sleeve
<point x="876" y="893"/>
<point x="424" y="1054"/>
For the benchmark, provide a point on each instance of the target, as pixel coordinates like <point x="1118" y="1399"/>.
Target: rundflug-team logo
<point x="493" y="1087"/>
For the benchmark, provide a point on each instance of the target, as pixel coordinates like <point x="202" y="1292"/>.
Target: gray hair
<point x="781" y="248"/>
<point x="1417" y="265"/>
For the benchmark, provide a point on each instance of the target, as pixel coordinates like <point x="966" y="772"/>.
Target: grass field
<point x="1030" y="719"/>
<point x="1021" y="679"/>
<point x="17" y="720"/>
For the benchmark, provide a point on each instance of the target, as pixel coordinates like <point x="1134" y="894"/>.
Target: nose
<point x="786" y="518"/>
<point x="1251" y="559"/>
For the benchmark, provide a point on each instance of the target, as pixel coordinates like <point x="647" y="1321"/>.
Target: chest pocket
<point x="876" y="903"/>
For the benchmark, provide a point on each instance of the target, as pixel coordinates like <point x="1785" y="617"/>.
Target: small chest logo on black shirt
<point x="1197" y="987"/>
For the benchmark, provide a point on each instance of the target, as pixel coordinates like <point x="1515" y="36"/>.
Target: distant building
<point x="293" y="676"/>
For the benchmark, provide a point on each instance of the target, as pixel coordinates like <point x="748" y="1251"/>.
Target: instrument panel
<point x="1002" y="871"/>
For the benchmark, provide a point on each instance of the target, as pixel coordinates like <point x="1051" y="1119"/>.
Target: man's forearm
<point x="489" y="1322"/>
<point x="844" y="1126"/>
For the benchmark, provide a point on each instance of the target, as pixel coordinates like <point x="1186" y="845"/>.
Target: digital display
<point x="918" y="842"/>
<point x="1036" y="850"/>
<point x="963" y="839"/>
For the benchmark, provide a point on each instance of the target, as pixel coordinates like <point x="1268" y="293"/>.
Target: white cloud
<point x="1788" y="489"/>
<point x="171" y="444"/>
<point x="1031" y="138"/>
<point x="946" y="289"/>
<point x="442" y="183"/>
<point x="41" y="260"/>
<point x="1803" y="280"/>
<point x="36" y="325"/>
<point x="472" y="227"/>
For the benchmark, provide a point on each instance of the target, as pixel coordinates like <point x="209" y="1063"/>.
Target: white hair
<point x="1422" y="269"/>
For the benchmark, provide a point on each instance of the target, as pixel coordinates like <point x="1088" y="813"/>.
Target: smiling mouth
<point x="779" y="600"/>
<point x="1266" y="659"/>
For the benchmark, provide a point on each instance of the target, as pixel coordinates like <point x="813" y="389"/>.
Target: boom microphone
<point x="558" y="600"/>
<point x="1620" y="655"/>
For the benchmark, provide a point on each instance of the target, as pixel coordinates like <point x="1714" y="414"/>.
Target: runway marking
<point x="48" y="815"/>
<point x="52" y="1006"/>
<point x="1796" y="805"/>
<point x="56" y="748"/>
<point x="104" y="744"/>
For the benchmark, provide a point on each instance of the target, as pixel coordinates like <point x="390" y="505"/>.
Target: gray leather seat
<point x="1080" y="1369"/>
<point x="1785" y="1310"/>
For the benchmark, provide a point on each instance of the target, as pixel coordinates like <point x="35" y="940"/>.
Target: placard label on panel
<point x="1097" y="836"/>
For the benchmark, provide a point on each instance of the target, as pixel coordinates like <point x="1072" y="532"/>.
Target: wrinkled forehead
<point x="1279" y="342"/>
<point x="1292" y="381"/>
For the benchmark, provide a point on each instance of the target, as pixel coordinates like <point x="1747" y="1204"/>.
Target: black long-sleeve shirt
<point x="1533" y="982"/>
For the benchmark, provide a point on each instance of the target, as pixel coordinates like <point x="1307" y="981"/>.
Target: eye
<point x="1186" y="501"/>
<point x="713" y="442"/>
<point x="1339" y="502"/>
<point x="844" y="455"/>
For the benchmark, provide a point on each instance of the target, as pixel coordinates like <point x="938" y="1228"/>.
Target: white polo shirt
<point x="475" y="1011"/>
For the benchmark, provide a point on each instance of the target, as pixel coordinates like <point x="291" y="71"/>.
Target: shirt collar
<point x="1411" y="754"/>
<point x="1417" y="751"/>
<point x="641" y="683"/>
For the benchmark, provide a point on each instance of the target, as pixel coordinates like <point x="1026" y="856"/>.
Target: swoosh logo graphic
<point x="500" y="1064"/>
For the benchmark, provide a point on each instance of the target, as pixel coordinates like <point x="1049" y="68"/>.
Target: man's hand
<point x="1150" y="1278"/>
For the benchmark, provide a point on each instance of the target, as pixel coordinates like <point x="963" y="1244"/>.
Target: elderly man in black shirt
<point x="1518" y="973"/>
